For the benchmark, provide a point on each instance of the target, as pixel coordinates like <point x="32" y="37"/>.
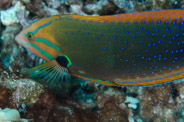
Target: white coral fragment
<point x="8" y="17"/>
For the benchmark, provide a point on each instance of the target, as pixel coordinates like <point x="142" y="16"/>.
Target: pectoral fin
<point x="48" y="72"/>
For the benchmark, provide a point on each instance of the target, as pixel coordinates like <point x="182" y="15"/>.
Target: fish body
<point x="133" y="49"/>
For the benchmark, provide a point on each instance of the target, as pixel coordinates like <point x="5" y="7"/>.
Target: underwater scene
<point x="91" y="61"/>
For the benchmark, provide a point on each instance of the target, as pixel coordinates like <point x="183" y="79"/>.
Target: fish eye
<point x="29" y="36"/>
<point x="63" y="60"/>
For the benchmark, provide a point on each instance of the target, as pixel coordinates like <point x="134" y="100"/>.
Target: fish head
<point x="38" y="39"/>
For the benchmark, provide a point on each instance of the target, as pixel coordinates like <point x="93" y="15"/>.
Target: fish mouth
<point x="21" y="38"/>
<point x="17" y="39"/>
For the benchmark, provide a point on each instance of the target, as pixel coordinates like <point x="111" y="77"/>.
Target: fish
<point x="132" y="49"/>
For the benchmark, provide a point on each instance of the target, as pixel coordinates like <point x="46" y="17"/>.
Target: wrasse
<point x="133" y="49"/>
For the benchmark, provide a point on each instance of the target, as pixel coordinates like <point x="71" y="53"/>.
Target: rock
<point x="35" y="7"/>
<point x="24" y="90"/>
<point x="8" y="17"/>
<point x="110" y="9"/>
<point x="126" y="5"/>
<point x="132" y="102"/>
<point x="0" y="29"/>
<point x="50" y="11"/>
<point x="53" y="3"/>
<point x="26" y="1"/>
<point x="84" y="95"/>
<point x="39" y="8"/>
<point x="68" y="2"/>
<point x="5" y="97"/>
<point x="157" y="102"/>
<point x="10" y="115"/>
<point x="10" y="51"/>
<point x="111" y="112"/>
<point x="110" y="94"/>
<point x="4" y="4"/>
<point x="94" y="7"/>
<point x="76" y="9"/>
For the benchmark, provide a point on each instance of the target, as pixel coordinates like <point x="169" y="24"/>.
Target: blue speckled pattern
<point x="138" y="49"/>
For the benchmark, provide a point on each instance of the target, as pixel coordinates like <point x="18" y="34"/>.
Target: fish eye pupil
<point x="29" y="36"/>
